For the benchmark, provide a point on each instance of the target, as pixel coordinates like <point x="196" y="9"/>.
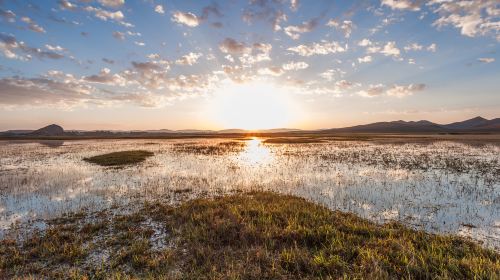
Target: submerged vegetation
<point x="120" y="158"/>
<point x="254" y="235"/>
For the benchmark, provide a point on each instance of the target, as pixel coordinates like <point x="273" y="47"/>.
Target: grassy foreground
<point x="248" y="236"/>
<point x="119" y="158"/>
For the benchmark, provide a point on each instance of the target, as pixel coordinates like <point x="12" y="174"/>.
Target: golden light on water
<point x="255" y="153"/>
<point x="253" y="105"/>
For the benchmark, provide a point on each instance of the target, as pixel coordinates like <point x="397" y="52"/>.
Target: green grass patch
<point x="120" y="158"/>
<point x="246" y="236"/>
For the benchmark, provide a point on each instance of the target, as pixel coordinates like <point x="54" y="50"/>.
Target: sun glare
<point x="252" y="106"/>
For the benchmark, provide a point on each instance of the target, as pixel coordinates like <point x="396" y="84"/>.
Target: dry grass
<point x="214" y="149"/>
<point x="293" y="140"/>
<point x="120" y="158"/>
<point x="247" y="236"/>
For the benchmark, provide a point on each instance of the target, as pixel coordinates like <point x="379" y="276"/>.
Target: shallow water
<point x="443" y="187"/>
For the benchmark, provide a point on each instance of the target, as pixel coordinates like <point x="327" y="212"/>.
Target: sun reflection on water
<point x="255" y="153"/>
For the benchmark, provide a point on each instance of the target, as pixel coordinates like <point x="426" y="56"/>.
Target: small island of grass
<point x="257" y="235"/>
<point x="120" y="158"/>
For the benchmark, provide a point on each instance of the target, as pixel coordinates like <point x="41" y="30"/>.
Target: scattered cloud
<point x="42" y="91"/>
<point x="188" y="19"/>
<point x="13" y="49"/>
<point x="389" y="49"/>
<point x="413" y="47"/>
<point x="7" y="15"/>
<point x="372" y="90"/>
<point x="272" y="71"/>
<point x="231" y="46"/>
<point x="159" y="9"/>
<point x="112" y="3"/>
<point x="432" y="47"/>
<point x="486" y="59"/>
<point x="33" y="26"/>
<point x="294" y="31"/>
<point x="54" y="48"/>
<point x="292" y="65"/>
<point x="412" y="5"/>
<point x="402" y="91"/>
<point x="119" y="35"/>
<point x="322" y="48"/>
<point x="188" y="59"/>
<point x="365" y="59"/>
<point x="345" y="26"/>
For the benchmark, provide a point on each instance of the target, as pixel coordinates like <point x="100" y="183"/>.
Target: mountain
<point x="50" y="130"/>
<point x="475" y="124"/>
<point x="393" y="127"/>
<point x="467" y="124"/>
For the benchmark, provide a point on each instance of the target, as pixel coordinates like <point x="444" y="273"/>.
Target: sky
<point x="252" y="64"/>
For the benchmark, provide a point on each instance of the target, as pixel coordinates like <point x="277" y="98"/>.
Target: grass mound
<point x="120" y="158"/>
<point x="247" y="236"/>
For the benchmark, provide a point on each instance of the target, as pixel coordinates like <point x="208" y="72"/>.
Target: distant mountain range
<point x="477" y="124"/>
<point x="474" y="125"/>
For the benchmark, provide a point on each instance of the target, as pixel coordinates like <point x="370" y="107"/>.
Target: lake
<point x="438" y="186"/>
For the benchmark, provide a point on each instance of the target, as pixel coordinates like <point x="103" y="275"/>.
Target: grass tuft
<point x="120" y="158"/>
<point x="257" y="235"/>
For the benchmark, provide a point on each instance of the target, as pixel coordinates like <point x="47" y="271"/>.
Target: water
<point x="442" y="187"/>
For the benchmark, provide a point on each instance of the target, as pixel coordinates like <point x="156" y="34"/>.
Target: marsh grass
<point x="293" y="140"/>
<point x="258" y="235"/>
<point x="221" y="148"/>
<point x="120" y="158"/>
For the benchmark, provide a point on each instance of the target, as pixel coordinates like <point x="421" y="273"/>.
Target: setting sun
<point x="253" y="105"/>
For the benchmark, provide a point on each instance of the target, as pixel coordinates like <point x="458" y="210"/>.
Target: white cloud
<point x="54" y="48"/>
<point x="33" y="26"/>
<point x="292" y="65"/>
<point x="322" y="48"/>
<point x="390" y="49"/>
<point x="231" y="46"/>
<point x="365" y="43"/>
<point x="346" y="26"/>
<point x="365" y="59"/>
<point x="294" y="31"/>
<point x="258" y="52"/>
<point x="372" y="91"/>
<point x="413" y="47"/>
<point x="105" y="77"/>
<point x="13" y="49"/>
<point x="486" y="59"/>
<point x="104" y="15"/>
<point x="331" y="73"/>
<point x="273" y="71"/>
<point x="402" y="91"/>
<point x="188" y="19"/>
<point x="432" y="47"/>
<point x="112" y="3"/>
<point x="294" y="5"/>
<point x="188" y="59"/>
<point x="412" y="5"/>
<point x="159" y="9"/>
<point x="8" y="15"/>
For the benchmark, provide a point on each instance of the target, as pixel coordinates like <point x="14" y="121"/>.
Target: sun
<point x="252" y="106"/>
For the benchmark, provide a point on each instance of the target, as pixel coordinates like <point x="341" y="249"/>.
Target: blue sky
<point x="115" y="64"/>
